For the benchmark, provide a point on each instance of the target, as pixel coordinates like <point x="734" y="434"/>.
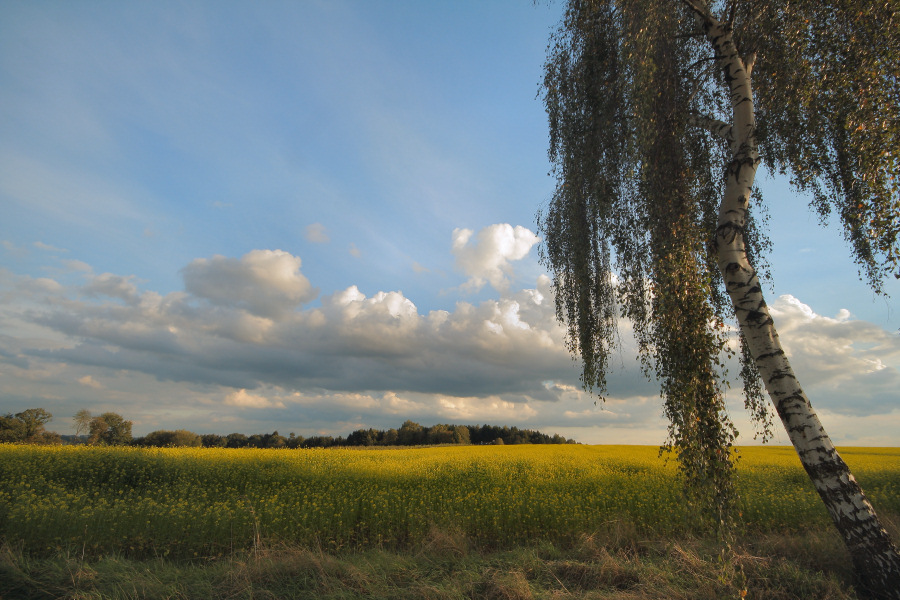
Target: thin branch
<point x="697" y="85"/>
<point x="693" y="34"/>
<point x="714" y="126"/>
<point x="698" y="62"/>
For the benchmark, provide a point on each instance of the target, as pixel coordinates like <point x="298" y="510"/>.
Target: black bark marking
<point x="768" y="355"/>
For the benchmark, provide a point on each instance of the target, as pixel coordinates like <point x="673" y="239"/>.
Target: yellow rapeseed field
<point x="188" y="502"/>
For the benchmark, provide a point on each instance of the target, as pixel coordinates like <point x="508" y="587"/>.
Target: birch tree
<point x="82" y="421"/>
<point x="660" y="113"/>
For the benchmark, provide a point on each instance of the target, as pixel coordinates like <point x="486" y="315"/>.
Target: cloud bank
<point x="248" y="345"/>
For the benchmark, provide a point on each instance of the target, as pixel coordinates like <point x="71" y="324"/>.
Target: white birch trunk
<point x="874" y="556"/>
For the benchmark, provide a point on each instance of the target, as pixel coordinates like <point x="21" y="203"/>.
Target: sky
<point x="315" y="217"/>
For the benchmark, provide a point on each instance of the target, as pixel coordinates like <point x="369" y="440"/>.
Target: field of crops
<point x="208" y="502"/>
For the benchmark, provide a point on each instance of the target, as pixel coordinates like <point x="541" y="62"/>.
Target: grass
<point x="448" y="566"/>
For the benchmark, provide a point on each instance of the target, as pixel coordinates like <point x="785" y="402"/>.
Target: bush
<point x="179" y="438"/>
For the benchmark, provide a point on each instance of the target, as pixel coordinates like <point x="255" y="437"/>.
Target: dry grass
<point x="447" y="566"/>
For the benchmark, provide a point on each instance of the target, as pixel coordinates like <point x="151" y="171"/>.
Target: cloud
<point x="864" y="430"/>
<point x="262" y="356"/>
<point x="90" y="382"/>
<point x="42" y="246"/>
<point x="266" y="283"/>
<point x="488" y="258"/>
<point x="845" y="365"/>
<point x="11" y="248"/>
<point x="476" y="410"/>
<point x="317" y="234"/>
<point x="244" y="399"/>
<point x="40" y="285"/>
<point x="77" y="266"/>
<point x="113" y="286"/>
<point x="240" y="324"/>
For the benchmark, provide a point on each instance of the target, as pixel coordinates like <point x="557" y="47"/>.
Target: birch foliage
<point x="640" y="110"/>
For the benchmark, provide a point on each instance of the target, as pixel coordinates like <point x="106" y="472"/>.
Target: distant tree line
<point x="112" y="429"/>
<point x="409" y="434"/>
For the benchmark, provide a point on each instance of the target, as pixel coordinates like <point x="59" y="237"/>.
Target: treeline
<point x="113" y="430"/>
<point x="409" y="434"/>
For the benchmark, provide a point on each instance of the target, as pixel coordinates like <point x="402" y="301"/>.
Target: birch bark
<point x="874" y="556"/>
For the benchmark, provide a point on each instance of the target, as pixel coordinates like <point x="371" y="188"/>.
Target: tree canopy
<point x="27" y="427"/>
<point x="640" y="110"/>
<point x="111" y="429"/>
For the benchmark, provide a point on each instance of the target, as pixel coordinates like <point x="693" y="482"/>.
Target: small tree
<point x="82" y="421"/>
<point x="96" y="430"/>
<point x="110" y="429"/>
<point x="12" y="429"/>
<point x="34" y="420"/>
<point x="27" y="427"/>
<point x="461" y="435"/>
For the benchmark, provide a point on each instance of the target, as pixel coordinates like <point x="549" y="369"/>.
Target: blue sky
<point x="320" y="216"/>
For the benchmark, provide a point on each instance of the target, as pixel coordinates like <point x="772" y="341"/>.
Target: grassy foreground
<point x="452" y="522"/>
<point x="614" y="564"/>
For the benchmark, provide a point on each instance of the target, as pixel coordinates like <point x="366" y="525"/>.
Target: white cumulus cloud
<point x="488" y="257"/>
<point x="267" y="283"/>
<point x="845" y="365"/>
